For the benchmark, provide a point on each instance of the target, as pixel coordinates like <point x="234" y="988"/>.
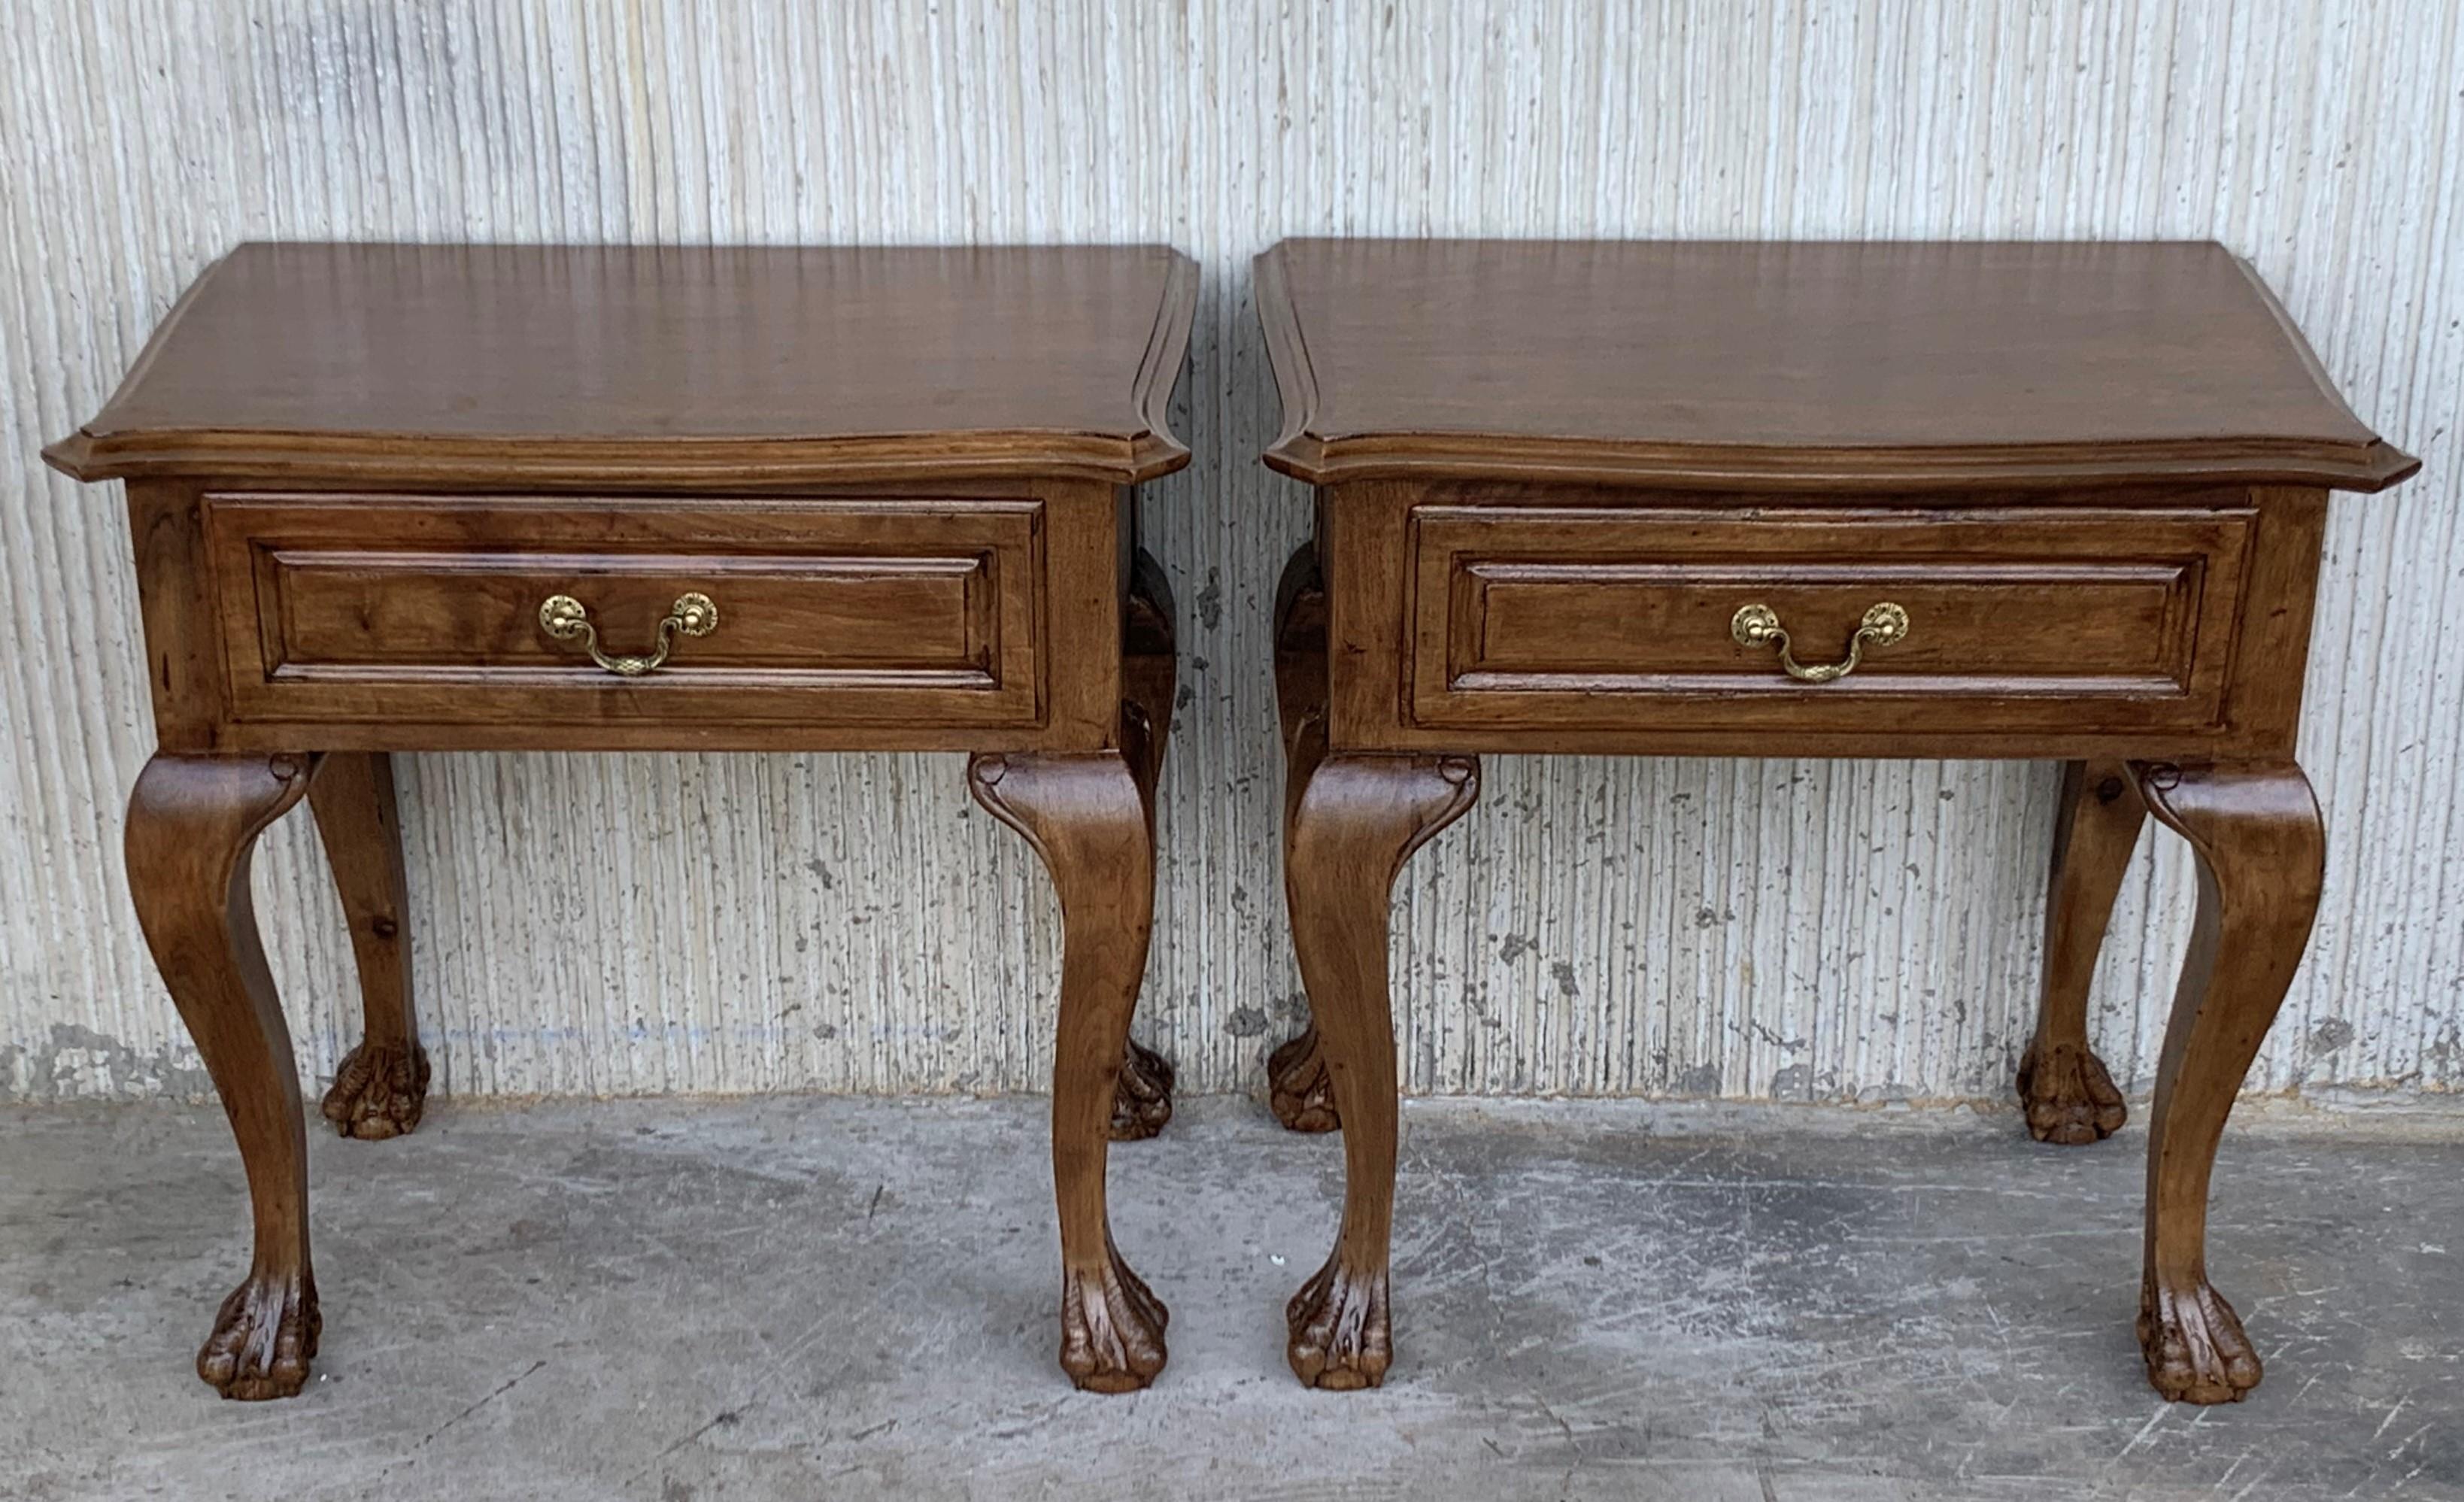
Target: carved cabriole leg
<point x="1298" y="1089"/>
<point x="1087" y="817"/>
<point x="192" y="825"/>
<point x="381" y="1086"/>
<point x="1360" y="818"/>
<point x="1150" y="671"/>
<point x="2069" y="1097"/>
<point x="2261" y="855"/>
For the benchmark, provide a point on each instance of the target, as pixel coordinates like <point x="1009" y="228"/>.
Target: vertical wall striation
<point x="1791" y="928"/>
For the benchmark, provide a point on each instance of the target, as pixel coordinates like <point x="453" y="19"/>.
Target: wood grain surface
<point x="1541" y="617"/>
<point x="1805" y="364"/>
<point x="618" y="363"/>
<point x="426" y="608"/>
<point x="739" y="922"/>
<point x="354" y="624"/>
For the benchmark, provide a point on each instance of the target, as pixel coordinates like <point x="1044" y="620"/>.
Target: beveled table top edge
<point x="1471" y="456"/>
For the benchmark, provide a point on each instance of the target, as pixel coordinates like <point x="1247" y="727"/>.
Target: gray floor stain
<point x="795" y="1296"/>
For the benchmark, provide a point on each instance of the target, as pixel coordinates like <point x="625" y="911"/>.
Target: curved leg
<point x="381" y="1086"/>
<point x="2261" y="855"/>
<point x="1298" y="1089"/>
<point x="2069" y="1097"/>
<point x="192" y="825"/>
<point x="1086" y="816"/>
<point x="1360" y="818"/>
<point x="1150" y="671"/>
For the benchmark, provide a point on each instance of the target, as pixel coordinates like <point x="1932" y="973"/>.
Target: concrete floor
<point x="691" y="1300"/>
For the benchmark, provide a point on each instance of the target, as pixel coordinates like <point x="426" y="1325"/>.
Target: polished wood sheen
<point x="2261" y="851"/>
<point x="625" y="365"/>
<point x="2069" y="1097"/>
<point x="1568" y="493"/>
<point x="1358" y="820"/>
<point x="899" y="478"/>
<point x="1091" y="818"/>
<point x="381" y="1084"/>
<point x="2022" y="611"/>
<point x="1812" y="366"/>
<point x="192" y="827"/>
<point x="853" y="610"/>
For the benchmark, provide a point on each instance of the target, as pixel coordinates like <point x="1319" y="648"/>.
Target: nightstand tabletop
<point x="375" y="363"/>
<point x="1803" y="365"/>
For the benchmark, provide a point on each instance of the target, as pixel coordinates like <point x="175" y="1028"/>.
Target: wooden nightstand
<point x="392" y="498"/>
<point x="1864" y="500"/>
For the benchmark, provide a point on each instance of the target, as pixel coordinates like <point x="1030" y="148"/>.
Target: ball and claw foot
<point x="2194" y="1345"/>
<point x="2070" y="1097"/>
<point x="1340" y="1337"/>
<point x="379" y="1091"/>
<point x="1111" y="1329"/>
<point x="1142" y="1101"/>
<point x="263" y="1340"/>
<point x="1299" y="1090"/>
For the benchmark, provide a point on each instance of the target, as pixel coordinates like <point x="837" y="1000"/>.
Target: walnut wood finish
<point x="646" y="367"/>
<point x="1299" y="1090"/>
<point x="1550" y="478"/>
<point x="1149" y="672"/>
<point x="903" y="480"/>
<point x="192" y="827"/>
<point x="2068" y="1095"/>
<point x="849" y="618"/>
<point x="1838" y="367"/>
<point x="1614" y="618"/>
<point x="1583" y="619"/>
<point x="1091" y="820"/>
<point x="357" y="607"/>
<point x="2262" y="854"/>
<point x="381" y="1086"/>
<point x="1359" y="819"/>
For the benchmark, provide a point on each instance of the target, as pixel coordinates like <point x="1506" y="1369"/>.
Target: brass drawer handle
<point x="566" y="619"/>
<point x="1758" y="626"/>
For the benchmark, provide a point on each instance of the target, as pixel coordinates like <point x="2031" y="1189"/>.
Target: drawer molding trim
<point x="1544" y="618"/>
<point x="837" y="612"/>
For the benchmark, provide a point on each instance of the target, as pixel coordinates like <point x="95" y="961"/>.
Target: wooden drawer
<point x="828" y="611"/>
<point x="2020" y="619"/>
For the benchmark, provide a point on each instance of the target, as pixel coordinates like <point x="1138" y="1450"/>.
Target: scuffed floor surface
<point x="795" y="1297"/>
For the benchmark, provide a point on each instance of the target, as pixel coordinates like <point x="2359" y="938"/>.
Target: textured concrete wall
<point x="1797" y="929"/>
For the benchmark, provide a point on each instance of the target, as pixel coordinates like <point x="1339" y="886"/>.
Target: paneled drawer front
<point x="2017" y="618"/>
<point x="827" y="611"/>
